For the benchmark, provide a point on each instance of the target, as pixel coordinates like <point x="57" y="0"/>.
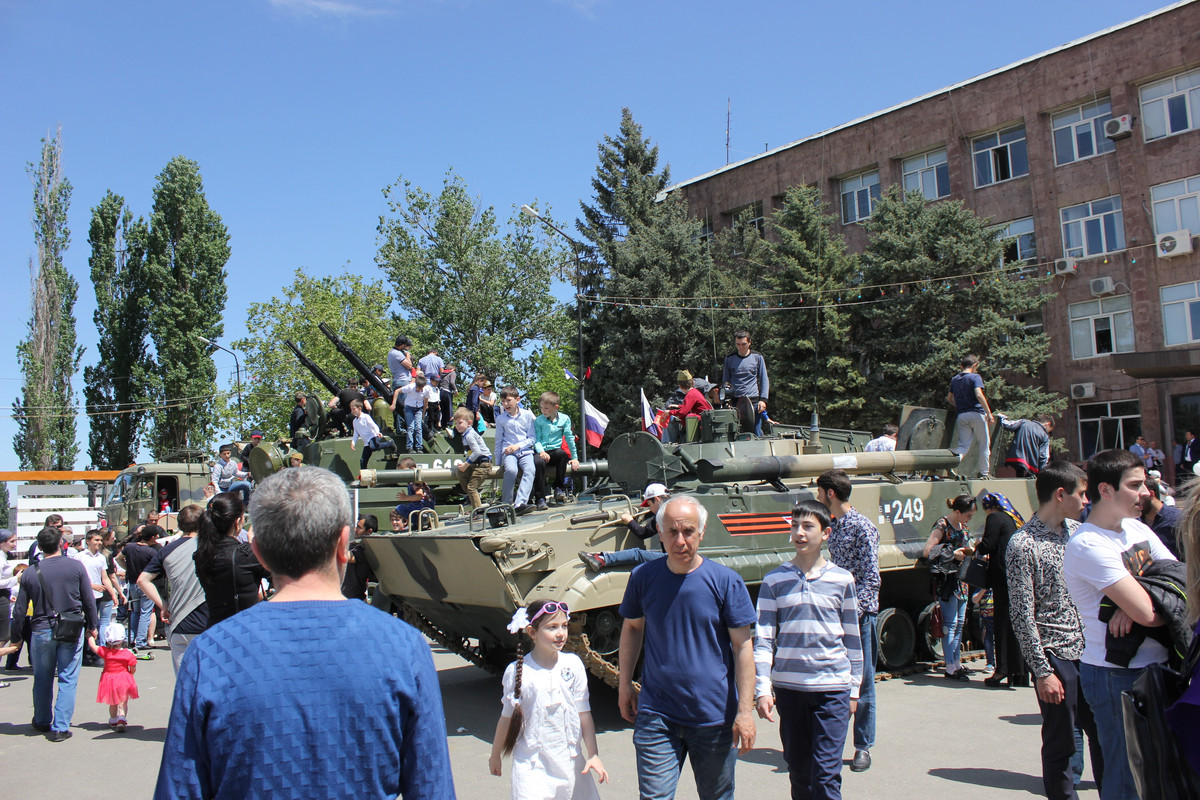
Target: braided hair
<point x="517" y="722"/>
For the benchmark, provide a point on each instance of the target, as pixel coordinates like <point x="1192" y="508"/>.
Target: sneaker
<point x="58" y="736"/>
<point x="593" y="561"/>
<point x="861" y="762"/>
<point x="542" y="505"/>
<point x="145" y="657"/>
<point x="522" y="509"/>
<point x="560" y="498"/>
<point x="4" y="684"/>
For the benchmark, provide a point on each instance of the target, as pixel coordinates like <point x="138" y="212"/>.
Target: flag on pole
<point x="594" y="424"/>
<point x="567" y="372"/>
<point x="653" y="422"/>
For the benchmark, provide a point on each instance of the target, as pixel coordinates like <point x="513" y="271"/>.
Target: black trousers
<point x="1058" y="733"/>
<point x="556" y="467"/>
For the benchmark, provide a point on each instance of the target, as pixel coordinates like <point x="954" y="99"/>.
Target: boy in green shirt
<point x="551" y="429"/>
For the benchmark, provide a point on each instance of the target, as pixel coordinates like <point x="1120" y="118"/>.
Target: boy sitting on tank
<point x="655" y="495"/>
<point x="551" y="429"/>
<point x="418" y="497"/>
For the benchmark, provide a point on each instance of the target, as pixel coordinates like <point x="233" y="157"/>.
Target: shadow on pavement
<point x="132" y="732"/>
<point x="766" y="756"/>
<point x="18" y="729"/>
<point x="1023" y="719"/>
<point x="991" y="778"/>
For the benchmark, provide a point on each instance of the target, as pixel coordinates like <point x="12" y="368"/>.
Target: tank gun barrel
<point x="766" y="468"/>
<point x="317" y="372"/>
<point x="443" y="475"/>
<point x="359" y="365"/>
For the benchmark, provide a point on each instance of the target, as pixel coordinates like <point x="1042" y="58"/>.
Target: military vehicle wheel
<point x="897" y="638"/>
<point x="933" y="646"/>
<point x="603" y="629"/>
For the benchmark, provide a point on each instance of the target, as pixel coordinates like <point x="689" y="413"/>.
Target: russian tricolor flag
<point x="653" y="422"/>
<point x="594" y="424"/>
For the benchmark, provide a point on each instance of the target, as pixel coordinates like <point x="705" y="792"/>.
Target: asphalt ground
<point x="935" y="738"/>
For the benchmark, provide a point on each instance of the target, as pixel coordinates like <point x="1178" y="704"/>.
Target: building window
<point x="1094" y="228"/>
<point x="859" y="196"/>
<point x="1020" y="243"/>
<point x="928" y="174"/>
<point x="1031" y="321"/>
<point x="1103" y="426"/>
<point x="1000" y="156"/>
<point x="1079" y="133"/>
<point x="1177" y="205"/>
<point x="1100" y="327"/>
<point x="706" y="228"/>
<point x="1171" y="105"/>
<point x="1181" y="313"/>
<point x="750" y="216"/>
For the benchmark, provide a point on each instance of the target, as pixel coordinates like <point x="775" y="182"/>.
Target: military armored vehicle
<point x="461" y="581"/>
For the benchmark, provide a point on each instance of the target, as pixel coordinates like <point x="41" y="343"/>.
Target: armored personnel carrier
<point x="460" y="581"/>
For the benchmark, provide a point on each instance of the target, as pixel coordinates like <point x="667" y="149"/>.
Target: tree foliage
<point x="807" y="343"/>
<point x="353" y="307"/>
<point x="5" y="506"/>
<point x="116" y="387"/>
<point x="482" y="296"/>
<point x="187" y="249"/>
<point x="940" y="300"/>
<point x="46" y="410"/>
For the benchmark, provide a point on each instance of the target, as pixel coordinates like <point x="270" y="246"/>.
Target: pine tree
<point x="941" y="295"/>
<point x="187" y="249"/>
<point x="116" y="387"/>
<point x="46" y="411"/>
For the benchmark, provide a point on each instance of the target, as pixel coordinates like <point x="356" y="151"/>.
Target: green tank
<point x="461" y="581"/>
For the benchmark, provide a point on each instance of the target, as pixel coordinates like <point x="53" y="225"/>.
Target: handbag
<point x="936" y="622"/>
<point x="1160" y="770"/>
<point x="65" y="626"/>
<point x="973" y="571"/>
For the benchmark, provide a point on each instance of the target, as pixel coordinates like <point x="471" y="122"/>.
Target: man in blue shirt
<point x="266" y="706"/>
<point x="974" y="416"/>
<point x="697" y="700"/>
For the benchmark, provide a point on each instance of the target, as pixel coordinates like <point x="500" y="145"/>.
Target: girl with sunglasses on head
<point x="546" y="714"/>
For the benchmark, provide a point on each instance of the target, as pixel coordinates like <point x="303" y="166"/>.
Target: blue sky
<point x="299" y="112"/>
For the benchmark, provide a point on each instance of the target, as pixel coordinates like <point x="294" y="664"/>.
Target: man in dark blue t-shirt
<point x="974" y="416"/>
<point x="696" y="621"/>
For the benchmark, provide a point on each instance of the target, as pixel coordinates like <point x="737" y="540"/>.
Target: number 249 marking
<point x="899" y="512"/>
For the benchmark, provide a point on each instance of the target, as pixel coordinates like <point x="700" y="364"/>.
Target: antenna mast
<point x="728" y="105"/>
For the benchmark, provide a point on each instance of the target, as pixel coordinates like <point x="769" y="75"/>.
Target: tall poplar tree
<point x="187" y="249"/>
<point x="117" y="386"/>
<point x="45" y="413"/>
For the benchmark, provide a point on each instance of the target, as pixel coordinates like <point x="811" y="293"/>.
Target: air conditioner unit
<point x="1102" y="287"/>
<point x="1065" y="266"/>
<point x="1082" y="391"/>
<point x="1119" y="127"/>
<point x="1175" y="243"/>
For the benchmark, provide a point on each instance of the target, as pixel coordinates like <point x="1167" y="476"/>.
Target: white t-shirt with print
<point x="1096" y="559"/>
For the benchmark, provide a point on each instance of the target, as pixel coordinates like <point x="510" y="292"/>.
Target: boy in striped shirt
<point x="808" y="656"/>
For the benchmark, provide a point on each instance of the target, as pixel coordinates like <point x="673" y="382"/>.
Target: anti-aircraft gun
<point x="380" y="408"/>
<point x="460" y="582"/>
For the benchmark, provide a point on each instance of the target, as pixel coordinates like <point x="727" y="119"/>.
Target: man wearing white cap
<point x="655" y="495"/>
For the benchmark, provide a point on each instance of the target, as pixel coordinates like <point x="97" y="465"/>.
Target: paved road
<point x="936" y="739"/>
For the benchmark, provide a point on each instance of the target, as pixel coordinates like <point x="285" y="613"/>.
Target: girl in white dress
<point x="546" y="715"/>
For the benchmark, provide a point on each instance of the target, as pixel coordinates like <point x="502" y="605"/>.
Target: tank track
<point x="454" y="644"/>
<point x="579" y="644"/>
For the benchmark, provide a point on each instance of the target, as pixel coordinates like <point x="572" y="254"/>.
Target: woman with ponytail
<point x="229" y="572"/>
<point x="546" y="712"/>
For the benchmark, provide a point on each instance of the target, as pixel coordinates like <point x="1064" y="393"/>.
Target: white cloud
<point x="338" y="8"/>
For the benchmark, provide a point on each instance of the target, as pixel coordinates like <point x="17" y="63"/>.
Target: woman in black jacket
<point x="998" y="528"/>
<point x="229" y="572"/>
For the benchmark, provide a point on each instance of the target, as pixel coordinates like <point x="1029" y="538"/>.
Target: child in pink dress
<point x="117" y="684"/>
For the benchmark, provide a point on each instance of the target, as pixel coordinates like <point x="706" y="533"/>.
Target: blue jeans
<point x="141" y="609"/>
<point x="1102" y="687"/>
<point x="243" y="487"/>
<point x="661" y="747"/>
<point x="954" y="613"/>
<point x="104" y="610"/>
<point x="523" y="461"/>
<point x="812" y="728"/>
<point x="864" y="717"/>
<point x="48" y="655"/>
<point x="376" y="444"/>
<point x="414" y="430"/>
<point x="631" y="557"/>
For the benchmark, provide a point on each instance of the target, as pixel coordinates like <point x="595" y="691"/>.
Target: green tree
<point x="482" y="296"/>
<point x="355" y="308"/>
<point x="116" y="387"/>
<point x="5" y="506"/>
<point x="45" y="413"/>
<point x="187" y="249"/>
<point x="807" y="342"/>
<point x="932" y="270"/>
<point x="625" y="191"/>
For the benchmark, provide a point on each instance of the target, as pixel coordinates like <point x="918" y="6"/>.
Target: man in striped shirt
<point x="807" y="656"/>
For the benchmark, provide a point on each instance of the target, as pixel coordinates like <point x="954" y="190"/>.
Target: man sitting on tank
<point x="228" y="474"/>
<point x="885" y="442"/>
<point x="339" y="415"/>
<point x="655" y="495"/>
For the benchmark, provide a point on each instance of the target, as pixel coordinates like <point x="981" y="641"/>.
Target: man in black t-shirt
<point x="340" y="415"/>
<point x="298" y="424"/>
<point x="135" y="556"/>
<point x="358" y="571"/>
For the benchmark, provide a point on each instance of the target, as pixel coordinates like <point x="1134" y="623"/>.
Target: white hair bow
<point x="520" y="619"/>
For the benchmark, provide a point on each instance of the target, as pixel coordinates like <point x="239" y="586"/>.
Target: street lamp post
<point x="528" y="211"/>
<point x="238" y="366"/>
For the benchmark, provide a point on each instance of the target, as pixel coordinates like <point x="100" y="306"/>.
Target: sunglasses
<point x="551" y="608"/>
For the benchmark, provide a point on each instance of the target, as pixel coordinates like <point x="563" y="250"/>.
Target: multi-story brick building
<point x="1088" y="156"/>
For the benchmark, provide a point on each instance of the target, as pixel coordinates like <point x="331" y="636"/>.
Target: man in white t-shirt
<point x="1101" y="561"/>
<point x="96" y="563"/>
